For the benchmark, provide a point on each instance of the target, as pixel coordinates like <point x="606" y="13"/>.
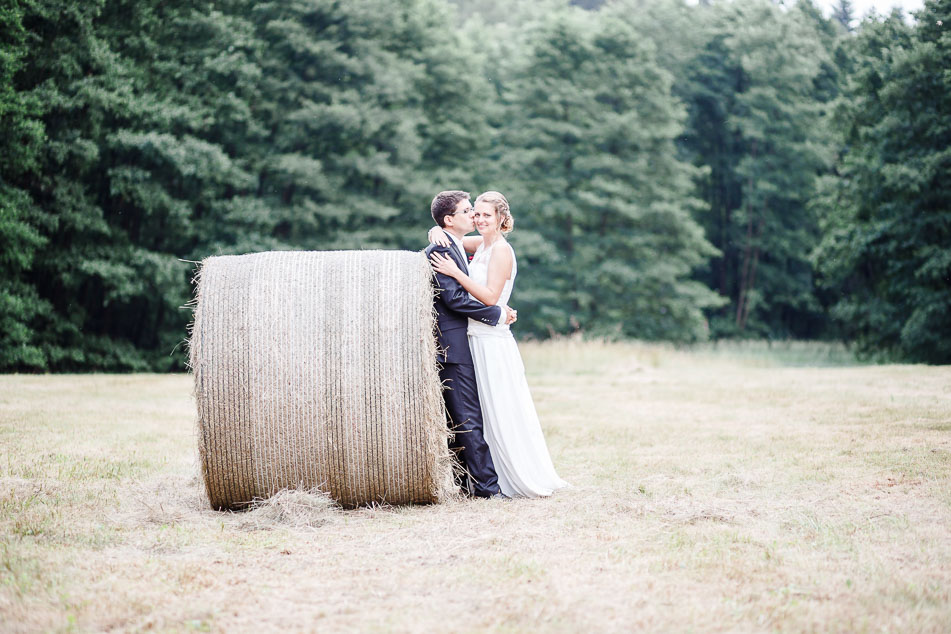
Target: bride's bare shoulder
<point x="501" y="257"/>
<point x="504" y="247"/>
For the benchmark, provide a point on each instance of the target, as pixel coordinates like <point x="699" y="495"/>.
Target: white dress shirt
<point x="458" y="243"/>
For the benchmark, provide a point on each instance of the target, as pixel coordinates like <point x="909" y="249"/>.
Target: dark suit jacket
<point x="454" y="307"/>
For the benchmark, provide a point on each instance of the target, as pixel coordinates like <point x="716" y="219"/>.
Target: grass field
<point x="723" y="489"/>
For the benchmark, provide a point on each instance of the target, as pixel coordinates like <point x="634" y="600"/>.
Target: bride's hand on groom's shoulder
<point x="444" y="264"/>
<point x="438" y="236"/>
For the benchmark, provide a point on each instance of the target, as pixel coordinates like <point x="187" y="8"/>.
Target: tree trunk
<point x="752" y="280"/>
<point x="743" y="295"/>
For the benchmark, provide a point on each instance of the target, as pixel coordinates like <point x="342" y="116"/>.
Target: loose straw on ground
<point x="317" y="370"/>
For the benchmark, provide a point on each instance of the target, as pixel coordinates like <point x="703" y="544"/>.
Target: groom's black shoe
<point x="485" y="495"/>
<point x="499" y="496"/>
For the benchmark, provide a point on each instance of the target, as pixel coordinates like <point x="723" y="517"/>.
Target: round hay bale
<point x="317" y="370"/>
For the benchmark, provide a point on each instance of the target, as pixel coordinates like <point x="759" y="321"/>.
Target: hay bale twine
<point x="317" y="370"/>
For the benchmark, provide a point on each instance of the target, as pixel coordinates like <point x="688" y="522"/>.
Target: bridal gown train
<point x="510" y="423"/>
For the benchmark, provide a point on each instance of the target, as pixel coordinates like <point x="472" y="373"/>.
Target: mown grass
<point x="783" y="353"/>
<point x="714" y="490"/>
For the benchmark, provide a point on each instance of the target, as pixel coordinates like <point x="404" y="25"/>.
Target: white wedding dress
<point x="510" y="423"/>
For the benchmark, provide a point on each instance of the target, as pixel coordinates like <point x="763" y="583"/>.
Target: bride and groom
<point x="497" y="436"/>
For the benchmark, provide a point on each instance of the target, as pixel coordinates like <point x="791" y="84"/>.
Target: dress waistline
<point x="478" y="329"/>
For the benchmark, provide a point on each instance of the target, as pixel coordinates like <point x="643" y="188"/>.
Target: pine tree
<point x="589" y="144"/>
<point x="843" y="14"/>
<point x="176" y="131"/>
<point x="371" y="113"/>
<point x="886" y="219"/>
<point x="21" y="136"/>
<point x="756" y="104"/>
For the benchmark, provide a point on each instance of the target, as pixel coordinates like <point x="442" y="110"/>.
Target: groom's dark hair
<point x="444" y="204"/>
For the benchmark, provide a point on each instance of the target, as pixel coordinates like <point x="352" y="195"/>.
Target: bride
<point x="511" y="425"/>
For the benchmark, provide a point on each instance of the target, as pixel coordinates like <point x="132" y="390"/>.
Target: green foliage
<point x="589" y="144"/>
<point x="371" y="115"/>
<point x="652" y="151"/>
<point x="844" y="14"/>
<point x="755" y="98"/>
<point x="174" y="132"/>
<point x="887" y="217"/>
<point x="22" y="133"/>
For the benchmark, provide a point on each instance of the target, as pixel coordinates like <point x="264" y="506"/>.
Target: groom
<point x="453" y="212"/>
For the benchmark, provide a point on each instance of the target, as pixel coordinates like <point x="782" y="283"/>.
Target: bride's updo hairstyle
<point x="497" y="200"/>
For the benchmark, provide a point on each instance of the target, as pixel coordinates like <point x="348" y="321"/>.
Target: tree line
<point x="676" y="172"/>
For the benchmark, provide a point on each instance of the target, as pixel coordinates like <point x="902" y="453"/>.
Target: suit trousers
<point x="462" y="401"/>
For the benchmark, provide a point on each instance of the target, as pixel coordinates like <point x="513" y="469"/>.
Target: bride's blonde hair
<point x="497" y="200"/>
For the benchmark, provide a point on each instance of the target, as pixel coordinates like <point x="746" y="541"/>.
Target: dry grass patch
<point x="714" y="490"/>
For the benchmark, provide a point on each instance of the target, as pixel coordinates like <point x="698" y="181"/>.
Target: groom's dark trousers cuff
<point x="462" y="401"/>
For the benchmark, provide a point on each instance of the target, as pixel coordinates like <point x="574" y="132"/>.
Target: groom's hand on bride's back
<point x="511" y="315"/>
